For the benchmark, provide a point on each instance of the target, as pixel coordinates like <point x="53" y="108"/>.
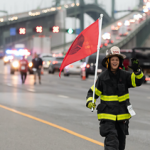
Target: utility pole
<point x="75" y="10"/>
<point x="113" y="9"/>
<point x="82" y="15"/>
<point x="96" y="2"/>
<point x="57" y="3"/>
<point x="140" y="3"/>
<point x="64" y="24"/>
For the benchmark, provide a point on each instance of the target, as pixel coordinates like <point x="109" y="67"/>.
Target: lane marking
<point x="63" y="96"/>
<point x="9" y="84"/>
<point x="53" y="125"/>
<point x="31" y="90"/>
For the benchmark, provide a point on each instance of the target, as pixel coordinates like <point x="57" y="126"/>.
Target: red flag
<point x="84" y="45"/>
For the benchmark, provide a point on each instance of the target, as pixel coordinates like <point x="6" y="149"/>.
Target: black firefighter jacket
<point x="114" y="94"/>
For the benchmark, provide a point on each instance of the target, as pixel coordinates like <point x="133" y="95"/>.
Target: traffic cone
<point x="83" y="74"/>
<point x="42" y="72"/>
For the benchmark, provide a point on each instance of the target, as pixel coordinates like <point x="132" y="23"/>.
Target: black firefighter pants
<point x="115" y="134"/>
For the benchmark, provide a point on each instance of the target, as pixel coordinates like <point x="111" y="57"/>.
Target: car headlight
<point x="15" y="64"/>
<point x="5" y="59"/>
<point x="30" y="64"/>
<point x="48" y="63"/>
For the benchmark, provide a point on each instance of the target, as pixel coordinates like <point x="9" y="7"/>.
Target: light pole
<point x="64" y="19"/>
<point x="6" y="12"/>
<point x="75" y="10"/>
<point x="113" y="9"/>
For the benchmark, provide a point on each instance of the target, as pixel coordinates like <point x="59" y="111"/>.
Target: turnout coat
<point x="114" y="96"/>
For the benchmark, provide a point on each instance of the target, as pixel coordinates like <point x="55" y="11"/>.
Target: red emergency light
<point x="39" y="29"/>
<point x="22" y="30"/>
<point x="55" y="29"/>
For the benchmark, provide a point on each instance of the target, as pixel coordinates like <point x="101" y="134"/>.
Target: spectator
<point x="37" y="66"/>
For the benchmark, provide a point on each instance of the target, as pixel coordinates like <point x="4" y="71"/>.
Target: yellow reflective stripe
<point x="133" y="80"/>
<point x="115" y="98"/>
<point x="106" y="116"/>
<point x="109" y="98"/>
<point x="97" y="92"/>
<point x="123" y="116"/>
<point x="139" y="76"/>
<point x="91" y="99"/>
<point x="123" y="97"/>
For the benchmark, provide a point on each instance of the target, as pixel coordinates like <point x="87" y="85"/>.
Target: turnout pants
<point x="115" y="134"/>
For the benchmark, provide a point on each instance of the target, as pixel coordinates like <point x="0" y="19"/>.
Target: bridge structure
<point x="49" y="17"/>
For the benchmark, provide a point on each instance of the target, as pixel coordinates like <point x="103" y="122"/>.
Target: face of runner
<point x="114" y="63"/>
<point x="35" y="55"/>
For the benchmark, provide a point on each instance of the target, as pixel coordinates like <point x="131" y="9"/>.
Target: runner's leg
<point x="21" y="76"/>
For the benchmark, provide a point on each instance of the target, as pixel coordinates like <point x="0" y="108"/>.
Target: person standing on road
<point x="115" y="109"/>
<point x="23" y="63"/>
<point x="37" y="66"/>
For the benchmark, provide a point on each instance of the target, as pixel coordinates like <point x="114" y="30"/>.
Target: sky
<point x="17" y="6"/>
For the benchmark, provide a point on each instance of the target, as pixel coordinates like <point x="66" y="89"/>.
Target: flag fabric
<point x="84" y="45"/>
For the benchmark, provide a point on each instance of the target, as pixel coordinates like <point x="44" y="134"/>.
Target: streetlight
<point x="6" y="12"/>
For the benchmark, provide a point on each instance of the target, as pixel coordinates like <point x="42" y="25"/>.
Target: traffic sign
<point x="12" y="31"/>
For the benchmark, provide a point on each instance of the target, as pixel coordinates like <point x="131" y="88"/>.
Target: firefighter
<point x="115" y="109"/>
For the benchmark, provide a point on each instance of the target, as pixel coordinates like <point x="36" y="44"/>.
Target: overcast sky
<point x="17" y="6"/>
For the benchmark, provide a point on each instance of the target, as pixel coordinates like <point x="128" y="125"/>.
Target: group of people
<point x="37" y="66"/>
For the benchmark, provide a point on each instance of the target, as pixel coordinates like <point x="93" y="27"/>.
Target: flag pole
<point x="98" y="50"/>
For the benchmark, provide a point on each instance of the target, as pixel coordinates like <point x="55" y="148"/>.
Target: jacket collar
<point x="107" y="77"/>
<point x="107" y="74"/>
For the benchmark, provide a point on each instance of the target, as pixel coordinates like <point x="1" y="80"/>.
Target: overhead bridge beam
<point x="92" y="10"/>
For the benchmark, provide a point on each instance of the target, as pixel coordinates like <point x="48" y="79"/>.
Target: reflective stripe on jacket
<point x="114" y="99"/>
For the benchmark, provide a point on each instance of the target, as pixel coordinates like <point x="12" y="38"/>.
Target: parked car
<point x="90" y="63"/>
<point x="55" y="64"/>
<point x="46" y="61"/>
<point x="74" y="68"/>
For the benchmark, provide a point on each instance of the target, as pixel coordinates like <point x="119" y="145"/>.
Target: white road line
<point x="31" y="90"/>
<point x="63" y="96"/>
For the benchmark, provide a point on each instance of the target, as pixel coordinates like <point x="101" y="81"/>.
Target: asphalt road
<point x="53" y="116"/>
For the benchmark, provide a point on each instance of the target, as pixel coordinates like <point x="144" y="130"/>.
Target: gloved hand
<point x="134" y="65"/>
<point x="91" y="105"/>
